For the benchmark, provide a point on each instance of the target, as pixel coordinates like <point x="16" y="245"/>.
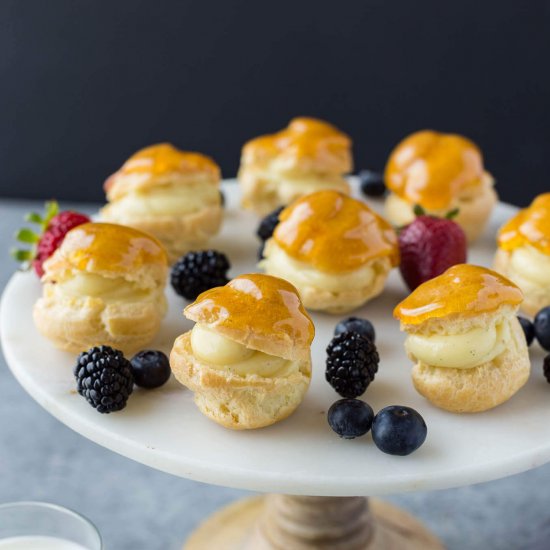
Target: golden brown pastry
<point x="523" y="253"/>
<point x="334" y="249"/>
<point x="468" y="347"/>
<point x="248" y="356"/>
<point x="439" y="172"/>
<point x="103" y="286"/>
<point x="171" y="194"/>
<point x="307" y="156"/>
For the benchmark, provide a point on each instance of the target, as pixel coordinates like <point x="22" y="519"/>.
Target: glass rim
<point x="55" y="507"/>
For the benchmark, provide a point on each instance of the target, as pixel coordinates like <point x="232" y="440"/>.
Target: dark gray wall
<point x="85" y="83"/>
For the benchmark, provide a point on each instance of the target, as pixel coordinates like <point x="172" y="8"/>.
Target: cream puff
<point x="171" y="194"/>
<point x="247" y="359"/>
<point x="103" y="286"/>
<point x="523" y="253"/>
<point x="334" y="249"/>
<point x="440" y="172"/>
<point x="468" y="347"/>
<point x="309" y="155"/>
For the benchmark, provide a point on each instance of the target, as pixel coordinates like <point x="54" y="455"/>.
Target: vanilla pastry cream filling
<point x="460" y="351"/>
<point x="224" y="354"/>
<point x="300" y="274"/>
<point x="95" y="286"/>
<point x="167" y="200"/>
<point x="531" y="264"/>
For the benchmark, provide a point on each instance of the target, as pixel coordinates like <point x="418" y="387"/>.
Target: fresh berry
<point x="54" y="225"/>
<point x="104" y="377"/>
<point x="372" y="183"/>
<point x="542" y="327"/>
<point x="429" y="246"/>
<point x="150" y="368"/>
<point x="268" y="224"/>
<point x="352" y="362"/>
<point x="356" y="324"/>
<point x="199" y="271"/>
<point x="528" y="329"/>
<point x="398" y="430"/>
<point x="546" y="368"/>
<point x="261" y="251"/>
<point x="350" y="418"/>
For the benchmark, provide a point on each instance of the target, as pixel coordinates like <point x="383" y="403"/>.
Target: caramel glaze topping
<point x="266" y="305"/>
<point x="109" y="248"/>
<point x="334" y="233"/>
<point x="430" y="168"/>
<point x="530" y="226"/>
<point x="463" y="289"/>
<point x="311" y="141"/>
<point x="164" y="158"/>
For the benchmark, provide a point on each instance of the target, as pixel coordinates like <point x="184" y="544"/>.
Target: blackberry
<point x="352" y="362"/>
<point x="372" y="184"/>
<point x="546" y="368"/>
<point x="268" y="224"/>
<point x="104" y="377"/>
<point x="199" y="271"/>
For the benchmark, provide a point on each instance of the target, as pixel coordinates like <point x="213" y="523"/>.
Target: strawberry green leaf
<point x="452" y="214"/>
<point x="52" y="209"/>
<point x="22" y="255"/>
<point x="33" y="217"/>
<point x="25" y="235"/>
<point x="418" y="210"/>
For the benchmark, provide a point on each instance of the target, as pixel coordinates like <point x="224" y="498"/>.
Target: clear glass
<point x="41" y="519"/>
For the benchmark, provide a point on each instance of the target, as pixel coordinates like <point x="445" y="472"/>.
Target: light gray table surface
<point x="137" y="508"/>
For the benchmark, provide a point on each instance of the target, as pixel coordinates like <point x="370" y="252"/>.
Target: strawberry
<point x="429" y="246"/>
<point x="54" y="225"/>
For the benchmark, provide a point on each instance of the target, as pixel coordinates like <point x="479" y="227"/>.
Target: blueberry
<point x="151" y="368"/>
<point x="372" y="183"/>
<point x="528" y="329"/>
<point x="350" y="418"/>
<point x="542" y="327"/>
<point x="356" y="324"/>
<point x="268" y="224"/>
<point x="398" y="430"/>
<point x="261" y="251"/>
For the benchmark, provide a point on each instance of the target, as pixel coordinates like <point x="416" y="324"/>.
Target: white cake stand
<point x="301" y="455"/>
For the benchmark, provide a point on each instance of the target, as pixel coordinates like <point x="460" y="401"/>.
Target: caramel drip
<point x="463" y="289"/>
<point x="431" y="169"/>
<point x="269" y="304"/>
<point x="335" y="233"/>
<point x="305" y="139"/>
<point x="97" y="247"/>
<point x="164" y="158"/>
<point x="531" y="226"/>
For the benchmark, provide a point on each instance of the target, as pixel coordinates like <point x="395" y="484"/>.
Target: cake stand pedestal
<point x="281" y="522"/>
<point x="301" y="455"/>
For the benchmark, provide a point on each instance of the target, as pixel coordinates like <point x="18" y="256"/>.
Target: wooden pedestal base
<point x="281" y="522"/>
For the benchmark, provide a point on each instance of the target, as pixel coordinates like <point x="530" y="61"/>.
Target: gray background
<point x="137" y="508"/>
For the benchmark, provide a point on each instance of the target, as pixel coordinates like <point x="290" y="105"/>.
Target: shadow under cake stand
<point x="316" y="480"/>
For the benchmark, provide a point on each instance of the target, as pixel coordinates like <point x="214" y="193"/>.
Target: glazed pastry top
<point x="164" y="159"/>
<point x="531" y="226"/>
<point x="463" y="289"/>
<point x="307" y="143"/>
<point x="334" y="233"/>
<point x="431" y="168"/>
<point x="108" y="250"/>
<point x="255" y="306"/>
